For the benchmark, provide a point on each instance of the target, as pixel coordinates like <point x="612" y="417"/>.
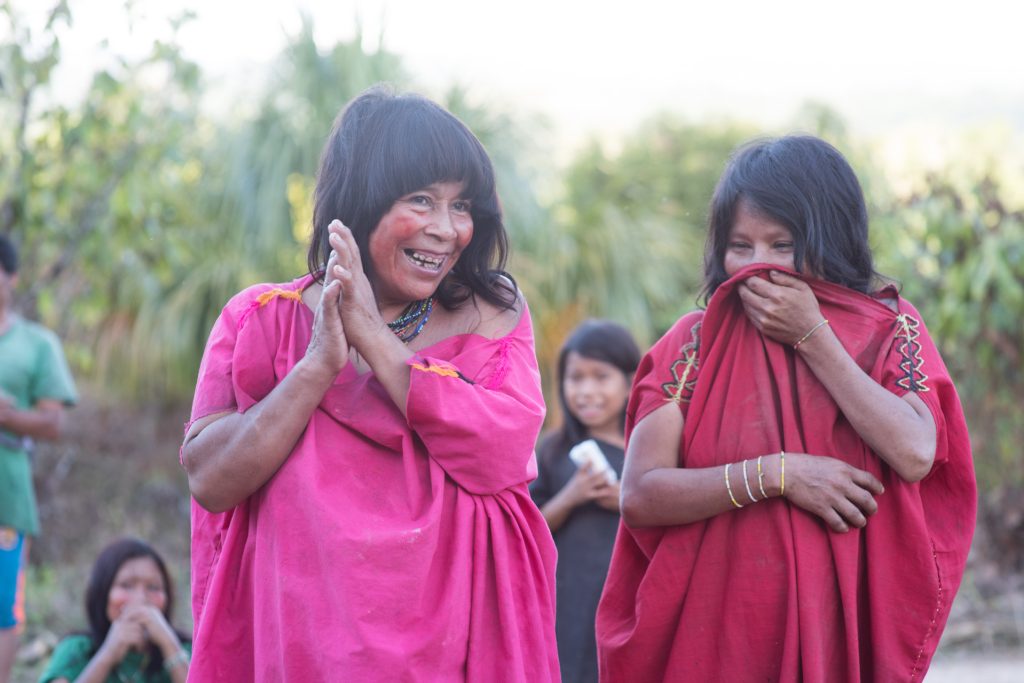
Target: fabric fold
<point x="768" y="592"/>
<point x="382" y="549"/>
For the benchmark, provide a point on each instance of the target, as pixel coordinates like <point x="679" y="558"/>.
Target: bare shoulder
<point x="477" y="315"/>
<point x="494" y="321"/>
<point x="890" y="302"/>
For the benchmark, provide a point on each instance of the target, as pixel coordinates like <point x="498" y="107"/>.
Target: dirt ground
<point x="977" y="668"/>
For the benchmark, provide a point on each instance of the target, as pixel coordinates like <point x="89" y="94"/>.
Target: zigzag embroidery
<point x="684" y="370"/>
<point x="913" y="378"/>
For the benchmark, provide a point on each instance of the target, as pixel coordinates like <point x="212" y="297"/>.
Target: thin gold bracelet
<point x="750" y="494"/>
<point x="728" y="487"/>
<point x="810" y="332"/>
<point x="760" y="478"/>
<point x="782" y="475"/>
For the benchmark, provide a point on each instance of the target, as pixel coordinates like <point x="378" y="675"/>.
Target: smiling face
<point x="418" y="241"/>
<point x="595" y="392"/>
<point x="755" y="238"/>
<point x="138" y="581"/>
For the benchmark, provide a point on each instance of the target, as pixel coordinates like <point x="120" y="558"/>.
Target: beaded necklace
<point x="410" y="323"/>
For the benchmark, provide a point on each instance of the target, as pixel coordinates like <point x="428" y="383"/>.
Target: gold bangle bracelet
<point x="810" y="332"/>
<point x="728" y="487"/>
<point x="782" y="474"/>
<point x="760" y="478"/>
<point x="750" y="494"/>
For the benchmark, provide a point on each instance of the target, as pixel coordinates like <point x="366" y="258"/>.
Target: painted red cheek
<point x="405" y="225"/>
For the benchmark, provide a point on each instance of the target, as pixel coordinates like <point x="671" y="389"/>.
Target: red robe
<point x="768" y="592"/>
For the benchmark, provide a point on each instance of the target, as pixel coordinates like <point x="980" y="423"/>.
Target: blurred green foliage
<point x="141" y="213"/>
<point x="957" y="246"/>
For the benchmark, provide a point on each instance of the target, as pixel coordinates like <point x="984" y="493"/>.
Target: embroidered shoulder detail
<point x="442" y="370"/>
<point x="684" y="370"/>
<point x="265" y="298"/>
<point x="268" y="296"/>
<point x="907" y="333"/>
<point x="504" y="365"/>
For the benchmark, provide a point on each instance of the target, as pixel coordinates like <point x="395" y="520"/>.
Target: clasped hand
<point x="346" y="316"/>
<point x="782" y="308"/>
<point x="137" y="626"/>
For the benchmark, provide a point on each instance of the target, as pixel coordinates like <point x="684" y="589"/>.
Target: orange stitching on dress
<point x="935" y="618"/>
<point x="910" y="348"/>
<point x="266" y="297"/>
<point x="681" y="389"/>
<point x="437" y="370"/>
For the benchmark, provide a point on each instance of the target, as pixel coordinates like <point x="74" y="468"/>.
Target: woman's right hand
<point x="127" y="632"/>
<point x="328" y="345"/>
<point x="842" y="495"/>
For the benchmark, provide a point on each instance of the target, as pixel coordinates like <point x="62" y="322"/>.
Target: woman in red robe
<point x="798" y="497"/>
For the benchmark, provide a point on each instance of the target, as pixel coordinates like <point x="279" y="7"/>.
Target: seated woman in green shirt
<point x="128" y="603"/>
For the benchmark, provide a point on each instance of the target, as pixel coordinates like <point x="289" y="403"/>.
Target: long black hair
<point x="384" y="146"/>
<point x="97" y="593"/>
<point x="805" y="184"/>
<point x="595" y="339"/>
<point x="8" y="255"/>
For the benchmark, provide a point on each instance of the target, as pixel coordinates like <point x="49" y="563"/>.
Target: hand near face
<point x="127" y="632"/>
<point x="358" y="306"/>
<point x="155" y="627"/>
<point x="329" y="345"/>
<point x="782" y="308"/>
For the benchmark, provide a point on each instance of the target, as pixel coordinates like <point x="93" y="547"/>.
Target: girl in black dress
<point x="581" y="502"/>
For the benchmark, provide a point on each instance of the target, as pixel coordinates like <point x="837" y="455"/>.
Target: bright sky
<point x="602" y="67"/>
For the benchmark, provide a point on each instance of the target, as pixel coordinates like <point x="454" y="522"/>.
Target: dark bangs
<point x="805" y="184"/>
<point x="385" y="146"/>
<point x="420" y="144"/>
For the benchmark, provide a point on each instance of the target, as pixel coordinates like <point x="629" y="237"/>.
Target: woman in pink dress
<point x="362" y="437"/>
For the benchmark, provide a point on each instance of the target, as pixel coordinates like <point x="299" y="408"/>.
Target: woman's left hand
<point x="783" y="307"/>
<point x="359" y="312"/>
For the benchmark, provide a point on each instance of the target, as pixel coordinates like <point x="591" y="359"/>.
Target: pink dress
<point x="385" y="548"/>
